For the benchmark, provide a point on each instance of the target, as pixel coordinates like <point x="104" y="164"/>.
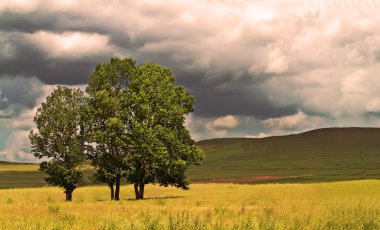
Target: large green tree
<point x="160" y="147"/>
<point x="59" y="138"/>
<point x="105" y="124"/>
<point x="135" y="121"/>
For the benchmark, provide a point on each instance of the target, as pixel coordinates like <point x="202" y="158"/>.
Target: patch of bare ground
<point x="241" y="179"/>
<point x="208" y="147"/>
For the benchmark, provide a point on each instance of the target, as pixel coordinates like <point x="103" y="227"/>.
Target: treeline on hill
<point x="129" y="124"/>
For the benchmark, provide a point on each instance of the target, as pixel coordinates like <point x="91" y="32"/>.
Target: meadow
<point x="334" y="205"/>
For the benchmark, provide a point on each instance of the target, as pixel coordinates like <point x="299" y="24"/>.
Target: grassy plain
<point x="332" y="154"/>
<point x="336" y="205"/>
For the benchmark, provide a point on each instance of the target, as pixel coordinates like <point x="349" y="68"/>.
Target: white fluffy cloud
<point x="219" y="127"/>
<point x="226" y="122"/>
<point x="202" y="128"/>
<point x="17" y="147"/>
<point x="260" y="135"/>
<point x="299" y="121"/>
<point x="71" y="44"/>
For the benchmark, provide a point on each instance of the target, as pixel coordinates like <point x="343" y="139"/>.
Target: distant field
<point x="335" y="154"/>
<point x="20" y="175"/>
<point x="16" y="175"/>
<point x="337" y="205"/>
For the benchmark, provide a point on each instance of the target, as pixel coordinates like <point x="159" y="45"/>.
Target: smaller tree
<point x="59" y="138"/>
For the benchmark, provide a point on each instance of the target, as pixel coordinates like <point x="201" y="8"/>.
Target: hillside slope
<point x="319" y="155"/>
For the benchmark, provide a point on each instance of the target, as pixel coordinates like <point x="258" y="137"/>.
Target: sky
<point x="256" y="68"/>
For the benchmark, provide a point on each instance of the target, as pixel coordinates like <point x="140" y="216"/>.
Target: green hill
<point x="319" y="155"/>
<point x="330" y="154"/>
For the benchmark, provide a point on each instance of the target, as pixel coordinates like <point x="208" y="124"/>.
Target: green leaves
<point x="162" y="147"/>
<point x="105" y="122"/>
<point x="59" y="137"/>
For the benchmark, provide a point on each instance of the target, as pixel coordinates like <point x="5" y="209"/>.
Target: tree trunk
<point x="112" y="191"/>
<point x="69" y="195"/>
<point x="139" y="191"/>
<point x="117" y="189"/>
<point x="136" y="191"/>
<point x="142" y="186"/>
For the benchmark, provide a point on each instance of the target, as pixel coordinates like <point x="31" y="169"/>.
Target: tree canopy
<point x="106" y="128"/>
<point x="59" y="138"/>
<point x="161" y="149"/>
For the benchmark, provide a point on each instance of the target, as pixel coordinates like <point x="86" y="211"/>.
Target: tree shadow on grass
<point x="158" y="198"/>
<point x="148" y="198"/>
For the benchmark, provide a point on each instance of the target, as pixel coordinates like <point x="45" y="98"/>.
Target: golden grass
<point x="30" y="167"/>
<point x="19" y="167"/>
<point x="338" y="205"/>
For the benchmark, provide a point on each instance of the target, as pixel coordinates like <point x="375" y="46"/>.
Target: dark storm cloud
<point x="11" y="21"/>
<point x="18" y="94"/>
<point x="29" y="61"/>
<point x="38" y="20"/>
<point x="227" y="94"/>
<point x="59" y="22"/>
<point x="243" y="102"/>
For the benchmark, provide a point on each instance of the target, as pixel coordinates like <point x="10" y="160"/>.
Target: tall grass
<point x="338" y="205"/>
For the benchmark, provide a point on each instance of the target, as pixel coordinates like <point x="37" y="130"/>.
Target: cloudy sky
<point x="256" y="68"/>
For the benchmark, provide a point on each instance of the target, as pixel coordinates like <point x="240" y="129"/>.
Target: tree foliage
<point x="161" y="148"/>
<point x="130" y="125"/>
<point x="136" y="120"/>
<point x="105" y="124"/>
<point x="59" y="138"/>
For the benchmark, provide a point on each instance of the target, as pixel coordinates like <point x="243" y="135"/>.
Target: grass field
<point x="337" y="205"/>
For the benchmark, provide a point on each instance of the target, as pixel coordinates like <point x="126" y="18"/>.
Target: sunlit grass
<point x="19" y="167"/>
<point x="340" y="205"/>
